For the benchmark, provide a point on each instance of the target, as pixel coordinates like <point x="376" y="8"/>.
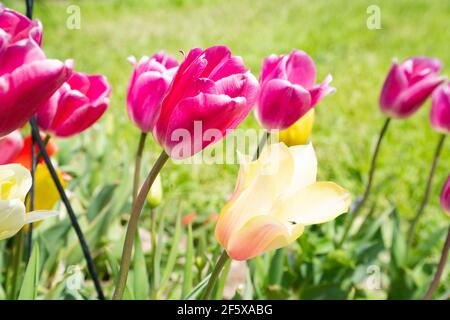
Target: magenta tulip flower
<point x="27" y="80"/>
<point x="440" y="109"/>
<point x="148" y="86"/>
<point x="76" y="106"/>
<point x="10" y="147"/>
<point x="408" y="85"/>
<point x="288" y="89"/>
<point x="211" y="94"/>
<point x="19" y="27"/>
<point x="445" y="196"/>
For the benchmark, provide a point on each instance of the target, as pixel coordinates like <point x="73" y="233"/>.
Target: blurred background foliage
<point x="335" y="34"/>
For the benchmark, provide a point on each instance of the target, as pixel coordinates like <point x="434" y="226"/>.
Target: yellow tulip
<point x="299" y="132"/>
<point x="15" y="182"/>
<point x="275" y="197"/>
<point x="46" y="194"/>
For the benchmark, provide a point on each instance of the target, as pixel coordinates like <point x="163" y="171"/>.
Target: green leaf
<point x="276" y="267"/>
<point x="172" y="254"/>
<point x="198" y="289"/>
<point x="141" y="285"/>
<point x="187" y="283"/>
<point x="29" y="288"/>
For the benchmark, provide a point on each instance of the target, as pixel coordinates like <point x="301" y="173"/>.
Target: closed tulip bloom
<point x="299" y="132"/>
<point x="445" y="196"/>
<point x="288" y="89"/>
<point x="275" y="197"/>
<point x="10" y="147"/>
<point x="18" y="26"/>
<point x="148" y="85"/>
<point x="440" y="109"/>
<point x="27" y="80"/>
<point x="211" y="89"/>
<point x="15" y="182"/>
<point x="408" y="85"/>
<point x="76" y="106"/>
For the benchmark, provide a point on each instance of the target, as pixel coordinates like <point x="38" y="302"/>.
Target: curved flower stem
<point x="29" y="6"/>
<point x="70" y="211"/>
<point x="215" y="274"/>
<point x="352" y="215"/>
<point x="426" y="195"/>
<point x="261" y="145"/>
<point x="137" y="166"/>
<point x="133" y="225"/>
<point x="444" y="255"/>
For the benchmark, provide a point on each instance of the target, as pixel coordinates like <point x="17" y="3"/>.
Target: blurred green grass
<point x="333" y="32"/>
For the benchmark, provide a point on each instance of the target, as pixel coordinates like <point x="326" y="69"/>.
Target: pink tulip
<point x="76" y="106"/>
<point x="27" y="80"/>
<point x="440" y="109"/>
<point x="289" y="89"/>
<point x="19" y="27"/>
<point x="10" y="147"/>
<point x="148" y="86"/>
<point x="445" y="196"/>
<point x="211" y="93"/>
<point x="408" y="85"/>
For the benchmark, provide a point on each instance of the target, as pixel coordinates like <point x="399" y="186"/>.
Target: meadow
<point x="335" y="34"/>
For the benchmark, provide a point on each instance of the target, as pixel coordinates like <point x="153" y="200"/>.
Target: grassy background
<point x="334" y="33"/>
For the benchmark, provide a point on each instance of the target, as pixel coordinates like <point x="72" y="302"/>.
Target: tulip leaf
<point x="276" y="267"/>
<point x="170" y="264"/>
<point x="141" y="284"/>
<point x="187" y="282"/>
<point x="198" y="289"/>
<point x="29" y="288"/>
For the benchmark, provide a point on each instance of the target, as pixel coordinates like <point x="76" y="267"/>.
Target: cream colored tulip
<point x="15" y="182"/>
<point x="275" y="197"/>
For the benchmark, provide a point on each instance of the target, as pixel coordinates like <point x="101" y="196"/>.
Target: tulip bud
<point x="155" y="195"/>
<point x="299" y="132"/>
<point x="10" y="147"/>
<point x="275" y="197"/>
<point x="15" y="182"/>
<point x="408" y="85"/>
<point x="445" y="196"/>
<point x="148" y="86"/>
<point x="288" y="89"/>
<point x="440" y="109"/>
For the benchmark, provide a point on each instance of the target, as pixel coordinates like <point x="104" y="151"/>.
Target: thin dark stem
<point x="261" y="145"/>
<point x="29" y="4"/>
<point x="442" y="262"/>
<point x="353" y="214"/>
<point x="133" y="225"/>
<point x="215" y="274"/>
<point x="70" y="211"/>
<point x="137" y="166"/>
<point x="31" y="195"/>
<point x="426" y="195"/>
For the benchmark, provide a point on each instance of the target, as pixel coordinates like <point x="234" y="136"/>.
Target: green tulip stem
<point x="426" y="195"/>
<point x="354" y="212"/>
<point x="133" y="225"/>
<point x="215" y="275"/>
<point x="137" y="166"/>
<point x="440" y="270"/>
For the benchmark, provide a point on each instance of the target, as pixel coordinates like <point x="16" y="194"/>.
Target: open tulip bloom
<point x="27" y="78"/>
<point x="15" y="182"/>
<point x="275" y="197"/>
<point x="76" y="106"/>
<point x="288" y="89"/>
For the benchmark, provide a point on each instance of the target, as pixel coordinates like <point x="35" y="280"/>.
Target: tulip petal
<point x="10" y="147"/>
<point x="34" y="216"/>
<point x="281" y="104"/>
<point x="394" y="84"/>
<point x="317" y="203"/>
<point x="260" y="234"/>
<point x="18" y="54"/>
<point x="300" y="69"/>
<point x="305" y="167"/>
<point x="322" y="90"/>
<point x="12" y="214"/>
<point x="440" y="109"/>
<point x="202" y="110"/>
<point x="15" y="182"/>
<point x="270" y="64"/>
